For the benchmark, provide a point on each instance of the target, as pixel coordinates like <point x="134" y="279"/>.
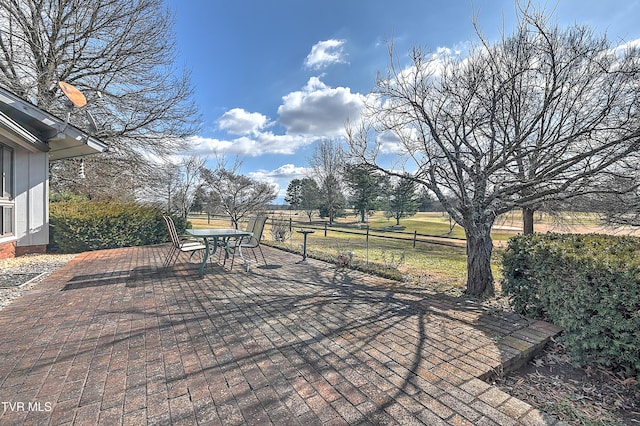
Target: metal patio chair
<point x="255" y="226"/>
<point x="179" y="245"/>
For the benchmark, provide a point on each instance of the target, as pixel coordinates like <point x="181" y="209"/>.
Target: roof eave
<point x="59" y="138"/>
<point x="21" y="136"/>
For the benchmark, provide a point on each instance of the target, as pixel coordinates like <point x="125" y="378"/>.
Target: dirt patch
<point x="576" y="395"/>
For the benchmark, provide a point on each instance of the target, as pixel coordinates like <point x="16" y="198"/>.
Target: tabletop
<point x="218" y="232"/>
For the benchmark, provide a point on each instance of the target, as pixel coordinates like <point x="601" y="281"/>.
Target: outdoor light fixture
<point x="81" y="174"/>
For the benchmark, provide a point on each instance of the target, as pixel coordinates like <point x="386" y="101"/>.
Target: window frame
<point x="7" y="191"/>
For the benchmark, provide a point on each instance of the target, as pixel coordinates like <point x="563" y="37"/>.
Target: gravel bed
<point x="18" y="275"/>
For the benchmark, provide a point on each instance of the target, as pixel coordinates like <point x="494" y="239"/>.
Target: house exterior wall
<point x="31" y="206"/>
<point x="32" y="199"/>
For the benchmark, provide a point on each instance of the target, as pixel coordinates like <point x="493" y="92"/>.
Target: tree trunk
<point x="397" y="220"/>
<point x="479" y="249"/>
<point x="527" y="220"/>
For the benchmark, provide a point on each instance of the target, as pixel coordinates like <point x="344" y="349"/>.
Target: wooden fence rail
<point x="366" y="232"/>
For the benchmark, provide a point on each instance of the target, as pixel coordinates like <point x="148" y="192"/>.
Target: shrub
<point x="587" y="284"/>
<point x="280" y="228"/>
<point x="81" y="225"/>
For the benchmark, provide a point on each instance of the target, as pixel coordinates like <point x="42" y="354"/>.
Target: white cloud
<point x="623" y="48"/>
<point x="289" y="171"/>
<point x="262" y="143"/>
<point x="319" y="110"/>
<point x="325" y="53"/>
<point x="237" y="121"/>
<point x="211" y="146"/>
<point x="314" y="112"/>
<point x="280" y="177"/>
<point x="389" y="143"/>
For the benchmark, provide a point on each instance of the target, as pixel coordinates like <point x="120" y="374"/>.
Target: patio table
<point x="221" y="238"/>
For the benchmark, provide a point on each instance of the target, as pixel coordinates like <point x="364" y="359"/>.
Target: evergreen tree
<point x="403" y="200"/>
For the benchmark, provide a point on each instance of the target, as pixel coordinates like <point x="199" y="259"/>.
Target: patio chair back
<point x="177" y="246"/>
<point x="256" y="226"/>
<point x="171" y="228"/>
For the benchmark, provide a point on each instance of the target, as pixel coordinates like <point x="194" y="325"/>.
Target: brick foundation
<point x="8" y="250"/>
<point x="40" y="249"/>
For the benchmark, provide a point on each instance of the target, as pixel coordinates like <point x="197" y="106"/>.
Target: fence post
<point x="367" y="244"/>
<point x="325" y="229"/>
<point x="415" y="235"/>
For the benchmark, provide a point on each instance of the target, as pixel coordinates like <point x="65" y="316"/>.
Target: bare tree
<point x="619" y="201"/>
<point x="189" y="183"/>
<point x="120" y="50"/>
<point x="327" y="162"/>
<point x="538" y="116"/>
<point x="105" y="177"/>
<point x="236" y="194"/>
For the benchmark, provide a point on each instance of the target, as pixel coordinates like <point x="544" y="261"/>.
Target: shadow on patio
<point x="113" y="338"/>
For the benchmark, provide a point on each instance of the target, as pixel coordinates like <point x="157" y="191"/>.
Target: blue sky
<point x="272" y="77"/>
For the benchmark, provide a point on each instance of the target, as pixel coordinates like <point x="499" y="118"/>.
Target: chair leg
<point x="236" y="250"/>
<point x="263" y="258"/>
<point x="233" y="258"/>
<point x="170" y="253"/>
<point x="223" y="255"/>
<point x="175" y="258"/>
<point x="171" y="257"/>
<point x="166" y="258"/>
<point x="167" y="261"/>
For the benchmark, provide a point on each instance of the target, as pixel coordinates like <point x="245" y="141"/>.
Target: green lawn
<point x="446" y="263"/>
<point x="441" y="259"/>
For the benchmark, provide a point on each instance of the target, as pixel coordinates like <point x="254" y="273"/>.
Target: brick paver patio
<point x="111" y="338"/>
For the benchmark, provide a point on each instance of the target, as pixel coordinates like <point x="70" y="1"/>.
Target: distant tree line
<point x="336" y="185"/>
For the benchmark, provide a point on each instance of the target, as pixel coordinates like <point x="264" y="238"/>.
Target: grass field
<point x="442" y="258"/>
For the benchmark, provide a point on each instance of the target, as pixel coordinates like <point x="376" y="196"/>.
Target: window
<point x="6" y="170"/>
<point x="6" y="190"/>
<point x="6" y="220"/>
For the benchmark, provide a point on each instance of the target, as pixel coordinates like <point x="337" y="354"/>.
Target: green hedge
<point x="78" y="225"/>
<point x="587" y="284"/>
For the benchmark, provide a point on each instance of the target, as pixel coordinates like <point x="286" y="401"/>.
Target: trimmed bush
<point x="79" y="225"/>
<point x="587" y="284"/>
